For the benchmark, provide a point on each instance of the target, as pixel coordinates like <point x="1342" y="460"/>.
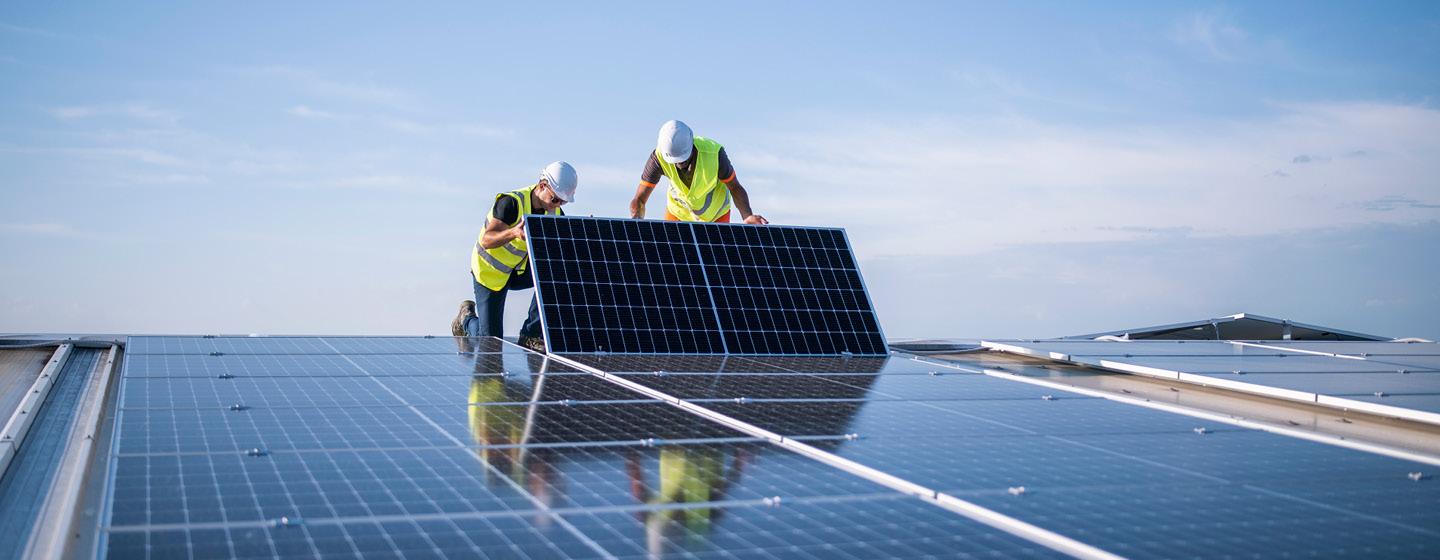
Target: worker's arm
<point x="498" y="233"/>
<point x="642" y="194"/>
<point x="742" y="202"/>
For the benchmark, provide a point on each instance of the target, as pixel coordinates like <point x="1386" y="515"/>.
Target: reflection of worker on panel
<point x="688" y="475"/>
<point x="502" y="430"/>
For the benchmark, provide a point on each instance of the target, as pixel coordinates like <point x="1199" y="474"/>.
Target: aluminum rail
<point x="54" y="528"/>
<point x="13" y="435"/>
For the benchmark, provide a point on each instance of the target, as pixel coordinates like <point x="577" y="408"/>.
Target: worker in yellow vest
<point x="499" y="262"/>
<point x="702" y="180"/>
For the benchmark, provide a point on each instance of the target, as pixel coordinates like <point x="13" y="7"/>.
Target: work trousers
<point x="489" y="319"/>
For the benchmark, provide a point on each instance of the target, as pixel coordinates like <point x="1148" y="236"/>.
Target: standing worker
<point x="702" y="181"/>
<point x="499" y="260"/>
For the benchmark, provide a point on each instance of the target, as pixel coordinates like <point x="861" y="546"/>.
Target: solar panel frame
<point x="1246" y="367"/>
<point x="866" y="341"/>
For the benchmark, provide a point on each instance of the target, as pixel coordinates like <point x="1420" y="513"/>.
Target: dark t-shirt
<point x="652" y="172"/>
<point x="507" y="210"/>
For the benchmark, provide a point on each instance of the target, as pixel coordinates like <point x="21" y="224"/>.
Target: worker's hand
<point x="637" y="209"/>
<point x="519" y="229"/>
<point x="756" y="219"/>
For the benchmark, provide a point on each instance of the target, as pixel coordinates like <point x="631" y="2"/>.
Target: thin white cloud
<point x="306" y="112"/>
<point x="386" y="183"/>
<point x="957" y="186"/>
<point x="42" y="229"/>
<point x="403" y="125"/>
<point x="138" y="155"/>
<point x="1212" y="32"/>
<point x="326" y="88"/>
<point x="137" y="111"/>
<point x="168" y="179"/>
<point x="36" y="32"/>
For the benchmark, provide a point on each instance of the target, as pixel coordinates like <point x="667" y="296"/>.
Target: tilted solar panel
<point x="652" y="287"/>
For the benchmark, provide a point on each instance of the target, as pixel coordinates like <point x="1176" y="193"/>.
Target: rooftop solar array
<point x="500" y="453"/>
<point x="653" y="287"/>
<point x="1400" y="379"/>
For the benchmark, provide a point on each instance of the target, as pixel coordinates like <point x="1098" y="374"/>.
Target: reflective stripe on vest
<point x="684" y="198"/>
<point x="492" y="267"/>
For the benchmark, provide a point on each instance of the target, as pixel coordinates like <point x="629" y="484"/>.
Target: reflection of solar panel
<point x="413" y="452"/>
<point x="637" y="286"/>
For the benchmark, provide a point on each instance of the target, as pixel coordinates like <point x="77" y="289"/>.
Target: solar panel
<point x="296" y="447"/>
<point x="652" y="287"/>
<point x="383" y="460"/>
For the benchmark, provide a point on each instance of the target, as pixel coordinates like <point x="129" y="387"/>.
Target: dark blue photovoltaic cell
<point x="350" y="345"/>
<point x="495" y="536"/>
<point x="651" y="287"/>
<point x="1425" y="403"/>
<point x="882" y="527"/>
<point x="270" y="392"/>
<point x="164" y="489"/>
<point x="1210" y="521"/>
<point x="950" y="386"/>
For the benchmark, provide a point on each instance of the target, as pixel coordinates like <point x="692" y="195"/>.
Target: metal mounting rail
<point x="18" y="424"/>
<point x="54" y="528"/>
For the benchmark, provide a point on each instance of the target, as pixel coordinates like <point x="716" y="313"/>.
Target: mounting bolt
<point x="225" y="376"/>
<point x="1048" y="397"/>
<point x="771" y="501"/>
<point x="1016" y="490"/>
<point x="256" y="452"/>
<point x="239" y="407"/>
<point x="289" y="522"/>
<point x="1380" y="393"/>
<point x="217" y="353"/>
<point x="1202" y="431"/>
<point x="852" y="436"/>
<point x="1417" y="476"/>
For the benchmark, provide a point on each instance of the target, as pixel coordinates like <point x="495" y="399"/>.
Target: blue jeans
<point x="490" y="309"/>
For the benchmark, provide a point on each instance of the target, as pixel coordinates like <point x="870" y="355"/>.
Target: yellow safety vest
<point x="705" y="198"/>
<point x="492" y="267"/>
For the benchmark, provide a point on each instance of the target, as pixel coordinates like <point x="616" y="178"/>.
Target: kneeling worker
<point x="499" y="261"/>
<point x="702" y="181"/>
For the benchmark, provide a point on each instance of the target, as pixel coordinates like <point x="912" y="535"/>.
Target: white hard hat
<point x="562" y="179"/>
<point x="675" y="142"/>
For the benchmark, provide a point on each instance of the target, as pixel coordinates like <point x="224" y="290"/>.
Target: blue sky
<point x="1027" y="169"/>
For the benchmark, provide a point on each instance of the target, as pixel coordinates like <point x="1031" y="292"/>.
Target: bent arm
<point x="742" y="203"/>
<point x="642" y="194"/>
<point x="498" y="233"/>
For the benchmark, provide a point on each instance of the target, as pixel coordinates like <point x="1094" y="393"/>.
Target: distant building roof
<point x="1240" y="326"/>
